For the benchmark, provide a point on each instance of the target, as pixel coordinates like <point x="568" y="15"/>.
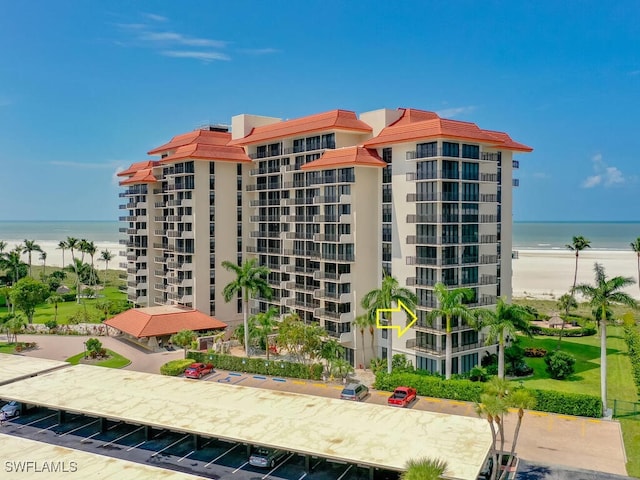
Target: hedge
<point x="260" y="365"/>
<point x="632" y="338"/>
<point x="176" y="367"/>
<point x="546" y="400"/>
<point x="567" y="332"/>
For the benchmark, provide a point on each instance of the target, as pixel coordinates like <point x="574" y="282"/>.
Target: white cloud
<point x="455" y="111"/>
<point x="204" y="56"/>
<point x="155" y="17"/>
<point x="603" y="174"/>
<point x="179" y="39"/>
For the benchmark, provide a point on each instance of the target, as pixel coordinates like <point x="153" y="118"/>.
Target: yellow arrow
<point x="401" y="306"/>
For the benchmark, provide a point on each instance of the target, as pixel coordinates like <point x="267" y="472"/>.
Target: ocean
<point x="526" y="235"/>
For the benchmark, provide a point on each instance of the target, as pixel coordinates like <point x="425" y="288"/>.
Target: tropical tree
<point x="238" y="333"/>
<point x="265" y="323"/>
<point x="90" y="249"/>
<point x="566" y="302"/>
<point x="13" y="325"/>
<point x="330" y="352"/>
<point x="106" y="256"/>
<point x="362" y="322"/>
<point x="5" y="292"/>
<point x="424" y="469"/>
<point x="73" y="244"/>
<point x="55" y="299"/>
<point x="384" y="298"/>
<point x="26" y="294"/>
<point x="3" y="245"/>
<point x="605" y="293"/>
<point x="250" y="279"/>
<point x="302" y="341"/>
<point x="43" y="257"/>
<point x="450" y="307"/>
<point x="82" y="246"/>
<point x="13" y="264"/>
<point x="183" y="339"/>
<point x="503" y="322"/>
<point x="62" y="245"/>
<point x="30" y="246"/>
<point x="635" y="246"/>
<point x="577" y="244"/>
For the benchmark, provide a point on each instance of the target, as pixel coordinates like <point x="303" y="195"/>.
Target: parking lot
<point x="162" y="448"/>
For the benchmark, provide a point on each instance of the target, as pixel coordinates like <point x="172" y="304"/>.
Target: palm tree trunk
<point x="364" y="365"/>
<point x="245" y="319"/>
<point x="448" y="353"/>
<point x="638" y="255"/>
<point x="513" y="442"/>
<point x="575" y="275"/>
<point x="603" y="360"/>
<point x="389" y="346"/>
<point x="501" y="355"/>
<point x="30" y="263"/>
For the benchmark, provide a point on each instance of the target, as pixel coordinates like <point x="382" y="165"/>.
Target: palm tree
<point x="30" y="246"/>
<point x="635" y="245"/>
<point x="183" y="339"/>
<point x="424" y="469"/>
<point x="250" y="279"/>
<point x="13" y="325"/>
<point x="451" y="306"/>
<point x="55" y="299"/>
<point x="82" y="246"/>
<point x="62" y="245"/>
<point x="90" y="249"/>
<point x="361" y="322"/>
<point x="3" y="245"/>
<point x="384" y="298"/>
<point x="72" y="244"/>
<point x="504" y="322"/>
<point x="106" y="256"/>
<point x="602" y="296"/>
<point x="12" y="262"/>
<point x="577" y="244"/>
<point x="565" y="302"/>
<point x="43" y="257"/>
<point x="265" y="323"/>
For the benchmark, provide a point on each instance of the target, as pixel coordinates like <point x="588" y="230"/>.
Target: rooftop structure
<point x="17" y="367"/>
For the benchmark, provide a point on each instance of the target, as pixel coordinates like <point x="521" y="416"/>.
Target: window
<point x="386" y="193"/>
<point x="470" y="192"/>
<point x="427" y="170"/>
<point x="313" y="143"/>
<point x="468" y="362"/>
<point x="427" y="149"/>
<point x="470" y="151"/>
<point x="450" y="149"/>
<point x="450" y="169"/>
<point x="298" y="145"/>
<point x="470" y="171"/>
<point x="329" y="140"/>
<point x="387" y="155"/>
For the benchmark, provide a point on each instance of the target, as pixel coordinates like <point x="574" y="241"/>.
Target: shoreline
<point x="54" y="254"/>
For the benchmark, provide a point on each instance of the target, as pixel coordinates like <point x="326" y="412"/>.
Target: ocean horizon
<point x="527" y="235"/>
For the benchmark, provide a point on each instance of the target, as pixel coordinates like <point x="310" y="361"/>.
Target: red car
<point x="402" y="397"/>
<point x="197" y="370"/>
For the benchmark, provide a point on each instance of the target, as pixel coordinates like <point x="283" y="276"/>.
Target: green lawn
<point x="7" y="347"/>
<point x="115" y="361"/>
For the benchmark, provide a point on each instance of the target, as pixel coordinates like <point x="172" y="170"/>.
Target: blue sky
<point x="88" y="87"/>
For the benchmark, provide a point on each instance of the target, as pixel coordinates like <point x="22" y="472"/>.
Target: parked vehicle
<point x="11" y="409"/>
<point x="198" y="370"/>
<point x="354" y="391"/>
<point x="266" y="457"/>
<point x="508" y="463"/>
<point x="402" y="397"/>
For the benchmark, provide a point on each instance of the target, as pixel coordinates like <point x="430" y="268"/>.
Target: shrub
<point x="260" y="365"/>
<point x="560" y="364"/>
<point x="554" y="332"/>
<point x="93" y="345"/>
<point x="567" y="403"/>
<point x="51" y="325"/>
<point x="68" y="297"/>
<point x="519" y="370"/>
<point x="632" y="339"/>
<point x="175" y="367"/>
<point x="489" y="359"/>
<point x="535" y="352"/>
<point x="478" y="374"/>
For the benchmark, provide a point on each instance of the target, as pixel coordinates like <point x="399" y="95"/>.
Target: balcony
<point x="340" y="277"/>
<point x="295" y="303"/>
<point x="488" y="177"/>
<point x="123" y="265"/>
<point x="339" y="257"/>
<point x="488" y="197"/>
<point x="263" y="186"/>
<point x="333" y="296"/>
<point x="265" y="218"/>
<point x="488" y="219"/>
<point x="271" y="202"/>
<point x="263" y="234"/>
<point x="299" y="236"/>
<point x="300" y="200"/>
<point x="301" y="287"/>
<point x="324" y="313"/>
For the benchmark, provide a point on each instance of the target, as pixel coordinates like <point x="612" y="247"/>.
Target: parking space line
<point x="241" y="380"/>
<point x="84" y="440"/>
<point x="240" y="467"/>
<point x="220" y="456"/>
<point x="136" y="446"/>
<point x="277" y="466"/>
<point x="79" y="428"/>
<point x="317" y="463"/>
<point x="169" y="446"/>
<point x="45" y="429"/>
<point x="345" y="472"/>
<point x="303" y="475"/>
<point x="298" y="382"/>
<point x="192" y="451"/>
<point x="121" y="437"/>
<point x="36" y="421"/>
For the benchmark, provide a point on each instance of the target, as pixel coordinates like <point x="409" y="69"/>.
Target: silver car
<point x="354" y="391"/>
<point x="11" y="409"/>
<point x="266" y="457"/>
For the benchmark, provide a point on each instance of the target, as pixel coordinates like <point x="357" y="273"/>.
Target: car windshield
<point x="401" y="394"/>
<point x="262" y="451"/>
<point x="348" y="392"/>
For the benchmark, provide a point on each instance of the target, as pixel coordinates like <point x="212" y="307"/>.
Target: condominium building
<point x="329" y="202"/>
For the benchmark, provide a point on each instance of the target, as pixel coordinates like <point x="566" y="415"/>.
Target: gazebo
<point x="153" y="326"/>
<point x="555" y="321"/>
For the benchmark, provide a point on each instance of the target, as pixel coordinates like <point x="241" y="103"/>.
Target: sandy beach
<point x="54" y="254"/>
<point x="548" y="274"/>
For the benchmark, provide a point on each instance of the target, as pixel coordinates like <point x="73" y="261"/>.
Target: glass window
<point x="427" y="149"/>
<point x="470" y="151"/>
<point x="450" y="149"/>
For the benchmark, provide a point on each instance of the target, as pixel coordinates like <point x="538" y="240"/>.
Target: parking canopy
<point x="24" y="459"/>
<point x="352" y="432"/>
<point x="16" y="367"/>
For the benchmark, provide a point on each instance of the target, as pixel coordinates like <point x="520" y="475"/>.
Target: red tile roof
<point x="198" y="151"/>
<point x="141" y="176"/>
<point x="206" y="137"/>
<point x="333" y="120"/>
<point x="418" y="125"/>
<point x="134" y="167"/>
<point x="162" y="320"/>
<point x="348" y="156"/>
